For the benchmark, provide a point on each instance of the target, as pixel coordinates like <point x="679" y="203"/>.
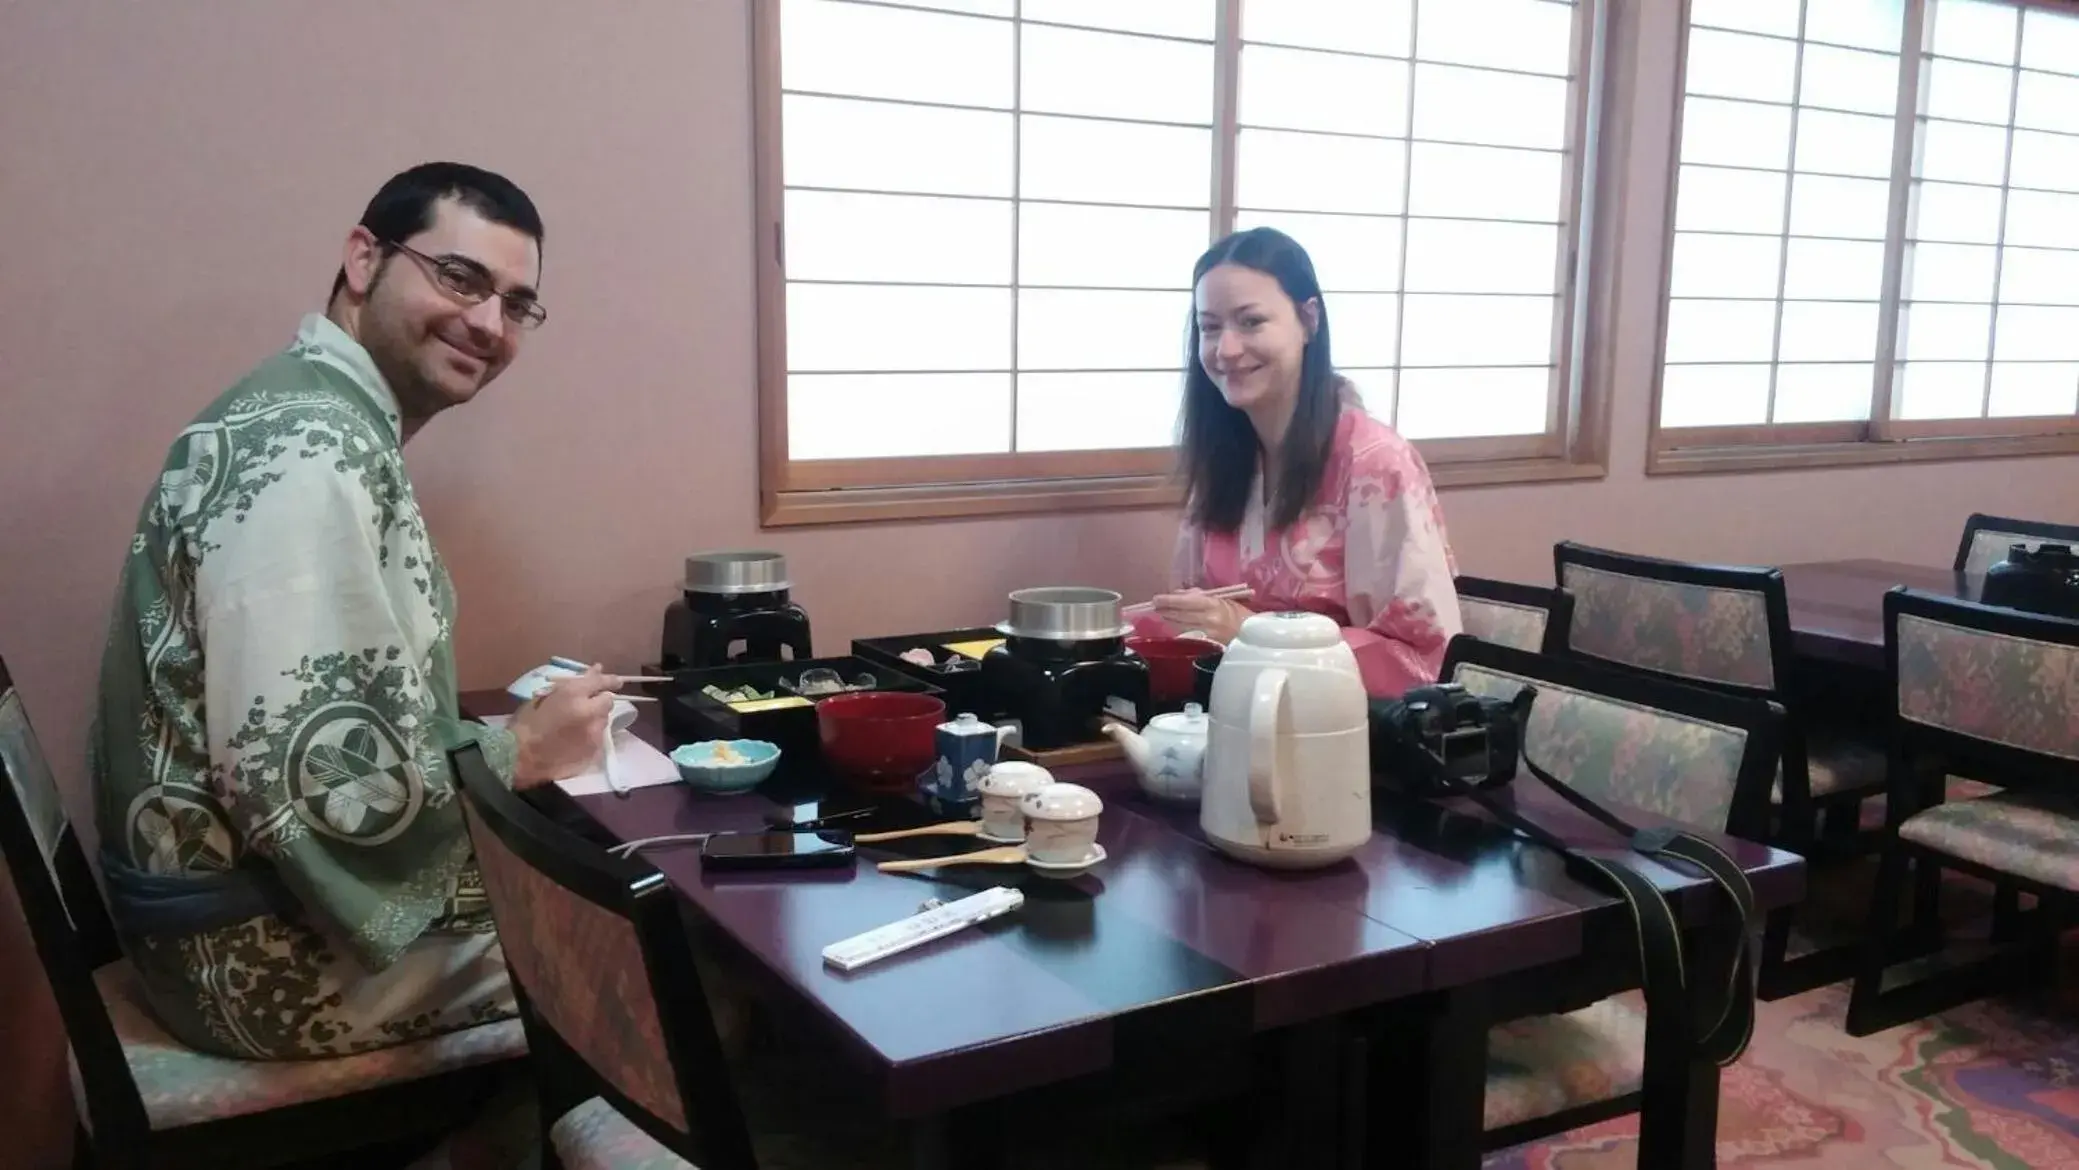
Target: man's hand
<point x="1190" y="609"/>
<point x="562" y="730"/>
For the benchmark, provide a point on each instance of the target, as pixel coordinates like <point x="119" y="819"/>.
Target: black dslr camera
<point x="1442" y="733"/>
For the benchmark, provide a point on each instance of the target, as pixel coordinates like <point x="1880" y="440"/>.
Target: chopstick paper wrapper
<point x="636" y="765"/>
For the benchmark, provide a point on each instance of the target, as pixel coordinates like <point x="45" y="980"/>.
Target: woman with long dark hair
<point x="1292" y="489"/>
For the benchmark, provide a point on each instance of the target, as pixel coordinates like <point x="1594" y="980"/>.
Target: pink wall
<point x="177" y="178"/>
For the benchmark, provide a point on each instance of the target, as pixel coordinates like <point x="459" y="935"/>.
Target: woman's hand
<point x="1190" y="609"/>
<point x="561" y="732"/>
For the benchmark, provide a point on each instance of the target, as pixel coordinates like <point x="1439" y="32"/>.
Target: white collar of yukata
<point x="318" y="339"/>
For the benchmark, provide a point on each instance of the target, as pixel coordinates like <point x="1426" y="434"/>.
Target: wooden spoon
<point x="1007" y="855"/>
<point x="947" y="829"/>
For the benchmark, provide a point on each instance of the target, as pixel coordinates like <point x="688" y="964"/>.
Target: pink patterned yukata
<point x="1371" y="553"/>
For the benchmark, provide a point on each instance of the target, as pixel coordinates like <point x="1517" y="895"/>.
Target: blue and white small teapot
<point x="1169" y="752"/>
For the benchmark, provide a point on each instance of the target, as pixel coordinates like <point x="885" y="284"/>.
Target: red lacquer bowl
<point x="880" y="740"/>
<point x="1170" y="661"/>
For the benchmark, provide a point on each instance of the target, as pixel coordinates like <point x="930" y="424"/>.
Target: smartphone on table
<point x="803" y="816"/>
<point x="779" y="849"/>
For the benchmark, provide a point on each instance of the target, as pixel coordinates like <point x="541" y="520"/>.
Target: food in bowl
<point x="821" y="680"/>
<point x="725" y="765"/>
<point x="880" y="740"/>
<point x="742" y="694"/>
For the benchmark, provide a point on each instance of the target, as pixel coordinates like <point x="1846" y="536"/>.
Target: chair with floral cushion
<point x="146" y="1100"/>
<point x="1687" y="754"/>
<point x="1989" y="694"/>
<point x="632" y="1070"/>
<point x="1528" y="617"/>
<point x="1986" y="539"/>
<point x="1728" y="628"/>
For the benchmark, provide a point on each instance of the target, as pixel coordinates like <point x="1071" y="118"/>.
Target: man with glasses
<point x="284" y="850"/>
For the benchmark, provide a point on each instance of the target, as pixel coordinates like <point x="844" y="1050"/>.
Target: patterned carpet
<point x="1994" y="1084"/>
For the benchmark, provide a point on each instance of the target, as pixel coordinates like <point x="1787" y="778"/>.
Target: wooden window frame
<point x="904" y="488"/>
<point x="1881" y="438"/>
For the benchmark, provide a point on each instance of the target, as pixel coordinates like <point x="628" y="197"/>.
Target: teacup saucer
<point x="1057" y="869"/>
<point x="996" y="840"/>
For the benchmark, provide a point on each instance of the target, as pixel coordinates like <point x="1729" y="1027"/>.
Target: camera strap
<point x="1717" y="1004"/>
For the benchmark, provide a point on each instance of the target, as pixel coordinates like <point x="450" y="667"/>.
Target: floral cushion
<point x="1504" y="623"/>
<point x="181" y="1086"/>
<point x="595" y="1136"/>
<point x="584" y="972"/>
<point x="2031" y="835"/>
<point x="1989" y="547"/>
<point x="1690" y="631"/>
<point x="1839" y="765"/>
<point x="796" y="1126"/>
<point x="1544" y="1064"/>
<point x="1680" y="768"/>
<point x="2002" y="689"/>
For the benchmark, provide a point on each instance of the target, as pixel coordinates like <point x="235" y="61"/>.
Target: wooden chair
<point x="1527" y="617"/>
<point x="144" y="1099"/>
<point x="1696" y="756"/>
<point x="632" y="1070"/>
<point x="1986" y="539"/>
<point x="1728" y="628"/>
<point x="1989" y="694"/>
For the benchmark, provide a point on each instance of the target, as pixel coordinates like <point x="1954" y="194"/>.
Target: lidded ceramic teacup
<point x="1006" y="784"/>
<point x="1061" y="824"/>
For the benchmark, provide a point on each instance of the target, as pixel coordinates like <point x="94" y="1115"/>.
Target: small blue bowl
<point x="700" y="768"/>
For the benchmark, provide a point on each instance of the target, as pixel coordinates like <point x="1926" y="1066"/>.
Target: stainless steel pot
<point x="729" y="573"/>
<point x="1065" y="613"/>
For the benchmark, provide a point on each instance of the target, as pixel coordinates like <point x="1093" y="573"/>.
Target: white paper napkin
<point x="636" y="765"/>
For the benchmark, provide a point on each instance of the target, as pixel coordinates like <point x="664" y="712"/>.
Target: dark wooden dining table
<point x="1166" y="951"/>
<point x="1837" y="607"/>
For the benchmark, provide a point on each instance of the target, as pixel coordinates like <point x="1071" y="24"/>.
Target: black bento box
<point x="690" y="715"/>
<point x="964" y="690"/>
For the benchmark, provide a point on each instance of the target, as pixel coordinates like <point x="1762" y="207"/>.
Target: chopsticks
<point x="581" y="667"/>
<point x="1224" y="593"/>
<point x="543" y="693"/>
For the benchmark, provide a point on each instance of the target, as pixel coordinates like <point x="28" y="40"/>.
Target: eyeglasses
<point x="469" y="282"/>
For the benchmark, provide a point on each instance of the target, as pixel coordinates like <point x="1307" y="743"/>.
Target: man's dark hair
<point x="404" y="206"/>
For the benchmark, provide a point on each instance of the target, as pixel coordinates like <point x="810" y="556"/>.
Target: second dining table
<point x="1166" y="952"/>
<point x="1837" y="607"/>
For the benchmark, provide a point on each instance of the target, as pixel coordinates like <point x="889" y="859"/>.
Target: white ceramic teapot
<point x="1288" y="761"/>
<point x="1168" y="752"/>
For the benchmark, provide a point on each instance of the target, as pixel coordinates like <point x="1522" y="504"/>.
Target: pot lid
<point x="1061" y="802"/>
<point x="1014" y="778"/>
<point x="968" y="723"/>
<point x="1191" y="719"/>
<point x="1065" y="613"/>
<point x="730" y="573"/>
<point x="1290" y="630"/>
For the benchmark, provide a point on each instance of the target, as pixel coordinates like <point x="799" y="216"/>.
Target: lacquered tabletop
<point x="1167" y="935"/>
<point x="1837" y="607"/>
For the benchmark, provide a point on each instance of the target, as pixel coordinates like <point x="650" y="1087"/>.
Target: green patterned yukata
<point x="277" y="699"/>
